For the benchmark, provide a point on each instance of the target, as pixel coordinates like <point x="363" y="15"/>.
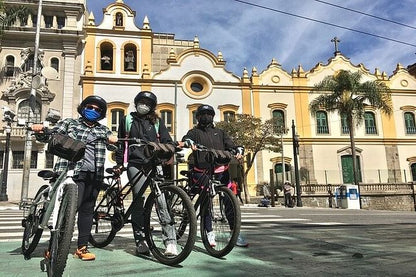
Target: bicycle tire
<point x="180" y="209"/>
<point x="225" y="214"/>
<point x="60" y="240"/>
<point x="31" y="232"/>
<point x="106" y="220"/>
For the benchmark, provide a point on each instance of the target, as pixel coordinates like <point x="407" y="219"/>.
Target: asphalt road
<point x="283" y="242"/>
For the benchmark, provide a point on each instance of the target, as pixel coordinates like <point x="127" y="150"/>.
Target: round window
<point x="196" y="87"/>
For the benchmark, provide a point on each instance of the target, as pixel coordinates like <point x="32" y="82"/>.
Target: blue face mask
<point x="91" y="115"/>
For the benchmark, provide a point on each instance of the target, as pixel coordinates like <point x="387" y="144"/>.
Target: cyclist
<point x="143" y="124"/>
<point x="206" y="134"/>
<point x="89" y="171"/>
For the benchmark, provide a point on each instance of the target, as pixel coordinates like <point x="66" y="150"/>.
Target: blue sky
<point x="250" y="36"/>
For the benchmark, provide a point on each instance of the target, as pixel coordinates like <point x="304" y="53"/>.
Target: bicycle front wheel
<point x="106" y="220"/>
<point x="61" y="237"/>
<point x="220" y="214"/>
<point x="31" y="232"/>
<point x="164" y="215"/>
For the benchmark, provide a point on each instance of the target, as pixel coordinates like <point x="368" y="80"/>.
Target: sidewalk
<point x="6" y="205"/>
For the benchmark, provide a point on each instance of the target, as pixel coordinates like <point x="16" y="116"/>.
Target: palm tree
<point x="345" y="94"/>
<point x="9" y="15"/>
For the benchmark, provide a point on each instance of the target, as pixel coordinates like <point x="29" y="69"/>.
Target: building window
<point x="9" y="66"/>
<point x="344" y="125"/>
<point x="106" y="56"/>
<point x="60" y="20"/>
<point x="279" y="116"/>
<point x="119" y="19"/>
<point x="130" y="57"/>
<point x="24" y="109"/>
<point x="194" y="120"/>
<point x="413" y="170"/>
<point x="322" y="122"/>
<point x="49" y="160"/>
<point x="116" y="116"/>
<point x="1" y="159"/>
<point x="229" y="116"/>
<point x="167" y="118"/>
<point x="370" y="123"/>
<point x="48" y="21"/>
<point x="409" y="121"/>
<point x="19" y="156"/>
<point x="55" y="63"/>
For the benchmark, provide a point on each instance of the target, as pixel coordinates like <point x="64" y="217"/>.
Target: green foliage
<point x="345" y="94"/>
<point x="252" y="133"/>
<point x="9" y="15"/>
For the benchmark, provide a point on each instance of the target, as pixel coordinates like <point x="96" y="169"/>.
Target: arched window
<point x="48" y="21"/>
<point x="168" y="119"/>
<point x="279" y="116"/>
<point x="130" y="57"/>
<point x="413" y="169"/>
<point x="9" y="66"/>
<point x="322" y="122"/>
<point x="116" y="116"/>
<point x="229" y="116"/>
<point x="119" y="19"/>
<point x="24" y="110"/>
<point x="55" y="63"/>
<point x="409" y="121"/>
<point x="370" y="123"/>
<point x="106" y="56"/>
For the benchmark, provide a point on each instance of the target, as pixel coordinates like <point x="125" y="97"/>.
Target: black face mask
<point x="206" y="119"/>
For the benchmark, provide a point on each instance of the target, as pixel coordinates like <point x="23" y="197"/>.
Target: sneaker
<point x="241" y="242"/>
<point x="211" y="238"/>
<point x="142" y="248"/>
<point x="171" y="249"/>
<point x="83" y="254"/>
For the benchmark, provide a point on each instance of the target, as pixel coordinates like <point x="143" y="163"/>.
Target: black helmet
<point x="94" y="99"/>
<point x="205" y="108"/>
<point x="146" y="95"/>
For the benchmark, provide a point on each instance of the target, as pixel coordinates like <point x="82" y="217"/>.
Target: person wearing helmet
<point x="206" y="134"/>
<point x="89" y="171"/>
<point x="146" y="125"/>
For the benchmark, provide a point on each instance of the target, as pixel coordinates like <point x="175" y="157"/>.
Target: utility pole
<point x="32" y="104"/>
<point x="295" y="138"/>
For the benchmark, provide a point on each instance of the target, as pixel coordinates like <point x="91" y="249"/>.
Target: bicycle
<point x="58" y="200"/>
<point x="166" y="205"/>
<point x="213" y="202"/>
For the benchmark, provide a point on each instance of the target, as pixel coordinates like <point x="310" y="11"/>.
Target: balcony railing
<point x="410" y="130"/>
<point x="322" y="129"/>
<point x="370" y="130"/>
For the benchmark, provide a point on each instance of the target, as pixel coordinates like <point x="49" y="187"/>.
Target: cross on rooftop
<point x="335" y="40"/>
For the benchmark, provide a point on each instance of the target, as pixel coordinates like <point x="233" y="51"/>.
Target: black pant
<point x="288" y="200"/>
<point x="87" y="194"/>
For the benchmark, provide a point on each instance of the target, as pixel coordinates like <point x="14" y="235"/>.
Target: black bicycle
<point x="166" y="206"/>
<point x="216" y="206"/>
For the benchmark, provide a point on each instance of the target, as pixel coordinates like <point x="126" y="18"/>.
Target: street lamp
<point x="8" y="116"/>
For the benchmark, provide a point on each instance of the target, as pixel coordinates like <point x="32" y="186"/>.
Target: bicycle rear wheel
<point x="61" y="237"/>
<point x="223" y="213"/>
<point x="163" y="216"/>
<point x="106" y="219"/>
<point x="31" y="232"/>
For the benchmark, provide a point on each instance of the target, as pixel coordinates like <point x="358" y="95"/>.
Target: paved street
<point x="283" y="242"/>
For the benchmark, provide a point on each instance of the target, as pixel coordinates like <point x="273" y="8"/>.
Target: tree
<point x="9" y="15"/>
<point x="254" y="135"/>
<point x="345" y="94"/>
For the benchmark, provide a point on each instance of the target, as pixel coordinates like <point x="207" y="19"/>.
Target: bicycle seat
<point x="47" y="174"/>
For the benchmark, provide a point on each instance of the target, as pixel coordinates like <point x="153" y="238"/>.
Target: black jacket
<point x="143" y="129"/>
<point x="210" y="137"/>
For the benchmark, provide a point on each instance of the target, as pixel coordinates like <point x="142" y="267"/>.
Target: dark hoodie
<point x="143" y="129"/>
<point x="210" y="137"/>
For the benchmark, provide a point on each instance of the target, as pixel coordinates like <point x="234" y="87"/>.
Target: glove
<point x="118" y="169"/>
<point x="188" y="143"/>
